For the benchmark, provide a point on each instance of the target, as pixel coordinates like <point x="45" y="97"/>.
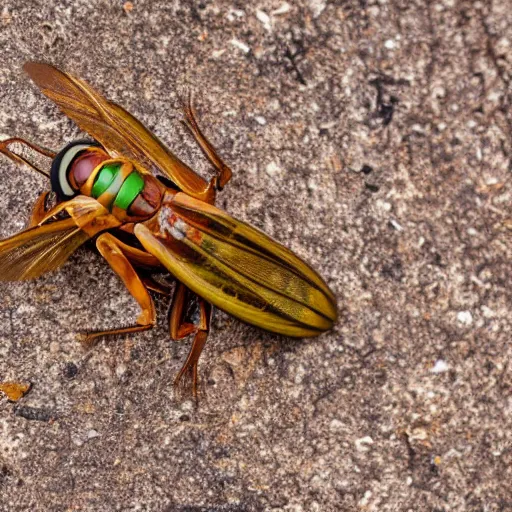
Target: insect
<point x="149" y="212"/>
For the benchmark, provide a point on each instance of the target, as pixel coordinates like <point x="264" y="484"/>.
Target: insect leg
<point x="137" y="256"/>
<point x="15" y="157"/>
<point x="143" y="259"/>
<point x="223" y="171"/>
<point x="179" y="328"/>
<point x="110" y="248"/>
<point x="155" y="286"/>
<point x="38" y="210"/>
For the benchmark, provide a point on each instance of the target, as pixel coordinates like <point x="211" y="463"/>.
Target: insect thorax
<point x="85" y="168"/>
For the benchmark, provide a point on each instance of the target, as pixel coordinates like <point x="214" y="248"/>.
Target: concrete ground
<point x="374" y="138"/>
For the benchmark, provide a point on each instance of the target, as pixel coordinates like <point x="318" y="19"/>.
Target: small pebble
<point x="120" y="370"/>
<point x="335" y="425"/>
<point x="465" y="317"/>
<point x="264" y="18"/>
<point x="241" y="46"/>
<point x="92" y="434"/>
<point x="363" y="502"/>
<point x="282" y="9"/>
<point x="440" y="366"/>
<point x="362" y="444"/>
<point x="272" y="169"/>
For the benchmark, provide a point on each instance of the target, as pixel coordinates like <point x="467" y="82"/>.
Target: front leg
<point x="38" y="210"/>
<point x="112" y="250"/>
<point x="19" y="159"/>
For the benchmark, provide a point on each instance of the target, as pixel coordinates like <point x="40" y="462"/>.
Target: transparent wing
<point x="117" y="130"/>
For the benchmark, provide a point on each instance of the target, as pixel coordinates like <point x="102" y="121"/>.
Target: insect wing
<point x="48" y="245"/>
<point x="239" y="269"/>
<point x="120" y="133"/>
<point x="39" y="249"/>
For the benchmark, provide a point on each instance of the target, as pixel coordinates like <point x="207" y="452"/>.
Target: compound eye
<point x="82" y="167"/>
<point x="61" y="165"/>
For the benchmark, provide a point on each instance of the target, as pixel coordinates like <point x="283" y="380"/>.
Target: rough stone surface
<point x="371" y="137"/>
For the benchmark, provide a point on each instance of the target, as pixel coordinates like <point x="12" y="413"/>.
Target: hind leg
<point x="180" y="328"/>
<point x="224" y="173"/>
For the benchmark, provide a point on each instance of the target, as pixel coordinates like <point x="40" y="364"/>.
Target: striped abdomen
<point x="238" y="268"/>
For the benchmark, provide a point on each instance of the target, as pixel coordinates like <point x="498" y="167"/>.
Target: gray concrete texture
<point x="371" y="137"/>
